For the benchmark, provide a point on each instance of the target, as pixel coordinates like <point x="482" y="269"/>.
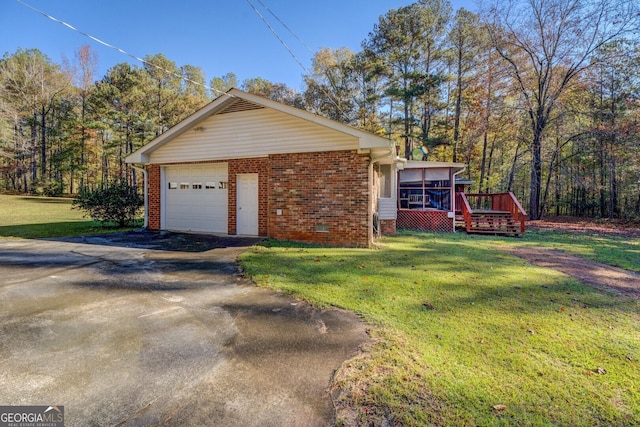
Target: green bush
<point x="116" y="202"/>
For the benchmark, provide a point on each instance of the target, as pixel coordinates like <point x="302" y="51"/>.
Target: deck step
<point x="491" y="213"/>
<point x="499" y="223"/>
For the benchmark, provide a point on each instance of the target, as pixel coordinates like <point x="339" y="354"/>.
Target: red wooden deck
<point x="496" y="213"/>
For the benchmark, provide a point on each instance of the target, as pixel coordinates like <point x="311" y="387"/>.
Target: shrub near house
<point x="115" y="202"/>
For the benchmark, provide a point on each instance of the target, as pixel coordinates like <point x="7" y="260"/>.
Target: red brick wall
<point x="261" y="167"/>
<point x="324" y="198"/>
<point x="153" y="176"/>
<point x="387" y="226"/>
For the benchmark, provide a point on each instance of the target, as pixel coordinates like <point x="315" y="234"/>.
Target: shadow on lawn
<point x="51" y="229"/>
<point x="445" y="273"/>
<point x="47" y="200"/>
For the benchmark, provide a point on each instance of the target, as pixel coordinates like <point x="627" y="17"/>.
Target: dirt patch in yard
<point x="597" y="274"/>
<point x="570" y="224"/>
<point x="593" y="273"/>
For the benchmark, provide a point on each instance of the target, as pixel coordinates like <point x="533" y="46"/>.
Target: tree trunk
<point x="557" y="189"/>
<point x="456" y="120"/>
<point x="613" y="187"/>
<point x="512" y="172"/>
<point x="489" y="162"/>
<point x="535" y="185"/>
<point x="34" y="148"/>
<point x="485" y="138"/>
<point x="602" y="181"/>
<point x="83" y="140"/>
<point x="43" y="144"/>
<point x="536" y="172"/>
<point x="407" y="140"/>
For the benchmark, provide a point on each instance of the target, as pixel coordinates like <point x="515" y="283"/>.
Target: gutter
<point x="146" y="194"/>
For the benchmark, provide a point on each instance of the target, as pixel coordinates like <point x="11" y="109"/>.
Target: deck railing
<point x="503" y="202"/>
<point x="463" y="205"/>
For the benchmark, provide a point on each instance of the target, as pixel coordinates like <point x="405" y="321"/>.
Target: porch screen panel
<point x="437" y="188"/>
<point x="425" y="189"/>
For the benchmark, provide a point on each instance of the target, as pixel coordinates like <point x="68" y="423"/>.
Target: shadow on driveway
<point x="164" y="241"/>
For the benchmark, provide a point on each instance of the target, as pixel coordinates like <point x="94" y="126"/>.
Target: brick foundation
<point x="387" y="226"/>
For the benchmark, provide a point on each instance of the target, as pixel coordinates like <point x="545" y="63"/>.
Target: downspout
<point x="146" y="194"/>
<point x="371" y="208"/>
<point x="453" y="199"/>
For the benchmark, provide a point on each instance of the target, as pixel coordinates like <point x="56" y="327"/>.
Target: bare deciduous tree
<point x="547" y="44"/>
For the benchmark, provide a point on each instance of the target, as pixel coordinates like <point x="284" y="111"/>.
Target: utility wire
<point x="286" y="27"/>
<point x="293" y="55"/>
<point x="182" y="77"/>
<point x="137" y="58"/>
<point x="264" y="20"/>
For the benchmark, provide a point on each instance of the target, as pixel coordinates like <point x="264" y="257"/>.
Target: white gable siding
<point x="252" y="133"/>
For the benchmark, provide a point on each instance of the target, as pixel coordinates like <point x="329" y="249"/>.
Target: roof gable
<point x="198" y="136"/>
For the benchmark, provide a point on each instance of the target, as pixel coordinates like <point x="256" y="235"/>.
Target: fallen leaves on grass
<point x="428" y="306"/>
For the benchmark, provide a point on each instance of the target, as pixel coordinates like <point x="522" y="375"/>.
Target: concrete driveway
<point x="146" y="329"/>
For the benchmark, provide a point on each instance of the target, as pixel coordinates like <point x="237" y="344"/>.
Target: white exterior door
<point x="196" y="198"/>
<point x="247" y="204"/>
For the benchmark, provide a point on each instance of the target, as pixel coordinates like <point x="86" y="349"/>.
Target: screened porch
<point x="426" y="196"/>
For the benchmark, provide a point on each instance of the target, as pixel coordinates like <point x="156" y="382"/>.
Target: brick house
<point x="247" y="165"/>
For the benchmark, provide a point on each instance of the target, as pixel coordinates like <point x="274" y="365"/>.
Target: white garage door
<point x="196" y="198"/>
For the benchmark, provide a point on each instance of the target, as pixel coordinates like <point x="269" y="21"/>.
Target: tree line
<point x="541" y="98"/>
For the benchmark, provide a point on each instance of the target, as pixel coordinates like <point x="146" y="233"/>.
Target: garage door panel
<point x="194" y="198"/>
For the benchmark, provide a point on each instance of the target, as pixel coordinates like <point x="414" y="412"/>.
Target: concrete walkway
<point x="156" y="335"/>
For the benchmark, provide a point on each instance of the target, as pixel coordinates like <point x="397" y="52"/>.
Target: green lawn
<point x="462" y="328"/>
<point x="39" y="217"/>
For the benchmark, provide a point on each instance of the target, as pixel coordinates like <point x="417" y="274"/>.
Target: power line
<point x="293" y="55"/>
<point x="137" y="58"/>
<point x="264" y="20"/>
<point x="286" y="27"/>
<point x="182" y="77"/>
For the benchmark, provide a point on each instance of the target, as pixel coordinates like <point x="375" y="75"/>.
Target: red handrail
<point x="505" y="202"/>
<point x="518" y="212"/>
<point x="461" y="200"/>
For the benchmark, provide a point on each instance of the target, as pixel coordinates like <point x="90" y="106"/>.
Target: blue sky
<point x="217" y="36"/>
